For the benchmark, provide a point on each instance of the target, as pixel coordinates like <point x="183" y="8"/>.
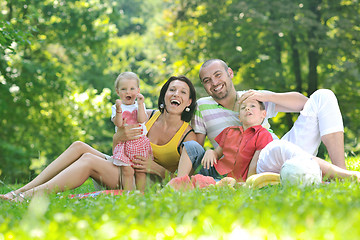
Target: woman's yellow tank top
<point x="167" y="155"/>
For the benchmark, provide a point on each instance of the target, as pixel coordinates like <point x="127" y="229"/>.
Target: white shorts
<point x="276" y="153"/>
<point x="321" y="115"/>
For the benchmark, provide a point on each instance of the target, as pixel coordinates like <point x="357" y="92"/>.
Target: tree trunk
<point x="313" y="53"/>
<point x="313" y="75"/>
<point x="296" y="63"/>
<point x="278" y="49"/>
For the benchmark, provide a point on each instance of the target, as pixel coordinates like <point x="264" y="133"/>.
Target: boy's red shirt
<point x="239" y="147"/>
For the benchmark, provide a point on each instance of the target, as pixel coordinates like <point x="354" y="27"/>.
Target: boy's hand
<point x="118" y="106"/>
<point x="140" y="98"/>
<point x="209" y="159"/>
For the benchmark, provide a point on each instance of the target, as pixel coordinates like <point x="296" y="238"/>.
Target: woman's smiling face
<point x="177" y="97"/>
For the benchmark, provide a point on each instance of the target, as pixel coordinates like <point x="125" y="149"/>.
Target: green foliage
<point x="55" y="90"/>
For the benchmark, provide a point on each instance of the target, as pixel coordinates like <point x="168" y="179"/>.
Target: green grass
<point x="330" y="211"/>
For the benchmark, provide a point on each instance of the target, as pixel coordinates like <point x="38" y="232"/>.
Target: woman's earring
<point x="187" y="109"/>
<point x="161" y="105"/>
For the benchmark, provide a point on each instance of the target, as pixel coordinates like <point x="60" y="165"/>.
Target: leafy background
<point x="59" y="60"/>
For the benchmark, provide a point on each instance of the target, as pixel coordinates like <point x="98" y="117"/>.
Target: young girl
<point x="128" y="111"/>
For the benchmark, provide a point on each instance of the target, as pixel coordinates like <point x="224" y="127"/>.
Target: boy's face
<point x="127" y="90"/>
<point x="250" y="113"/>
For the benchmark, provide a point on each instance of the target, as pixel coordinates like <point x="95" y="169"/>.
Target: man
<point x="320" y="117"/>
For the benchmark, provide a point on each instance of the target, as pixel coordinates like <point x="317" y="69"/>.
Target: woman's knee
<point x="88" y="159"/>
<point x="79" y="145"/>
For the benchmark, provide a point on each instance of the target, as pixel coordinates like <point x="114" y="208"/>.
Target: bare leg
<point x="334" y="143"/>
<point x="89" y="165"/>
<point x="140" y="179"/>
<point x="128" y="177"/>
<point x="185" y="164"/>
<point x="332" y="171"/>
<point x="69" y="156"/>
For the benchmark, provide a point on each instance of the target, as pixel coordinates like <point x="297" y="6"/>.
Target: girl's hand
<point x="118" y="106"/>
<point x="145" y="164"/>
<point x="140" y="98"/>
<point x="209" y="159"/>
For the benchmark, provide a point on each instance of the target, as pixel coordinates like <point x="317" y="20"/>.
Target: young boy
<point x="239" y="146"/>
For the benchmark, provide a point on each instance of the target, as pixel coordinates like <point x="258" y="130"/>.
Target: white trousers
<point x="321" y="116"/>
<point x="276" y="153"/>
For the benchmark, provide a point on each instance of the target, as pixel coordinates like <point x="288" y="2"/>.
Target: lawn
<point x="329" y="211"/>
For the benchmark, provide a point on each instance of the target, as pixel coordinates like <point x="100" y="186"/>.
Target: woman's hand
<point x="145" y="164"/>
<point x="127" y="132"/>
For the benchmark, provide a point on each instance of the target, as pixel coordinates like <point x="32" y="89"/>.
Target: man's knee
<point x="325" y="94"/>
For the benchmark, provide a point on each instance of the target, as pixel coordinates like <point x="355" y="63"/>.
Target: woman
<point x="167" y="129"/>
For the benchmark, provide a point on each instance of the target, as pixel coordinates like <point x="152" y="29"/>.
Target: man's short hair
<point x="210" y="61"/>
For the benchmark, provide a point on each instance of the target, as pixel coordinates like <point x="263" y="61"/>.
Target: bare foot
<point x="13" y="197"/>
<point x="8" y="196"/>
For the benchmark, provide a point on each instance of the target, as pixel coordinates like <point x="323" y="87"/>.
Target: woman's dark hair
<point x="185" y="116"/>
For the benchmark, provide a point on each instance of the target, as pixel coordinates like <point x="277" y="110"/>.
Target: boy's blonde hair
<point x="262" y="105"/>
<point x="127" y="75"/>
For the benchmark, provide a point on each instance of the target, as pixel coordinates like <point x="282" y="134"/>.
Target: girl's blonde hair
<point x="127" y="75"/>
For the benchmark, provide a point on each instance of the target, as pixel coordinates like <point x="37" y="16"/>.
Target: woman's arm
<point x="190" y="136"/>
<point x="200" y="138"/>
<point x="253" y="163"/>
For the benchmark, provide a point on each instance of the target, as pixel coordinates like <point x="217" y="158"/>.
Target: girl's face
<point x="250" y="113"/>
<point x="177" y="97"/>
<point x="127" y="90"/>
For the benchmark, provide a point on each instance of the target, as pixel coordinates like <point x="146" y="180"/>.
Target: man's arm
<point x="289" y="102"/>
<point x="285" y="102"/>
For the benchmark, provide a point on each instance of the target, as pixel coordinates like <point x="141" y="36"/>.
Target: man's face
<point x="217" y="80"/>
